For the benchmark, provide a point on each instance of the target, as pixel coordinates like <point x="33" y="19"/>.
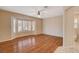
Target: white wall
<point x="53" y="26"/>
<point x="5" y="25"/>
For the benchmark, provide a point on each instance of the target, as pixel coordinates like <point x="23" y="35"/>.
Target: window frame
<point x="29" y="24"/>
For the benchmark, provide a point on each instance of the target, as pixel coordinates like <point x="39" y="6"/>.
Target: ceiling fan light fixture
<point x="38" y="12"/>
<point x="39" y="16"/>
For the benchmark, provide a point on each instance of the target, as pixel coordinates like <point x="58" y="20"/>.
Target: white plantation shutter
<point x="14" y="25"/>
<point x="19" y="25"/>
<point x="25" y="25"/>
<point x="33" y="25"/>
<point x="29" y="26"/>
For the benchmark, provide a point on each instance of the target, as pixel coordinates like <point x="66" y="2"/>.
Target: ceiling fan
<point x="39" y="11"/>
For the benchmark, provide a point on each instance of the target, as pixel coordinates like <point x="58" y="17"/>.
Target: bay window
<point x="20" y="25"/>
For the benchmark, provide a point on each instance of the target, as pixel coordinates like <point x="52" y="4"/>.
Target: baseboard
<point x="29" y="35"/>
<point x="16" y="37"/>
<point x="52" y="35"/>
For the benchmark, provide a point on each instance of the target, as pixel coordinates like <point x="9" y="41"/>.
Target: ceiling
<point x="50" y="11"/>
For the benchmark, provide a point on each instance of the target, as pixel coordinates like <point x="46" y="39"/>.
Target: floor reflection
<point x="36" y="43"/>
<point x="29" y="42"/>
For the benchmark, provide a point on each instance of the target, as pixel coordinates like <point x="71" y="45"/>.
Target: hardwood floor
<point x="31" y="44"/>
